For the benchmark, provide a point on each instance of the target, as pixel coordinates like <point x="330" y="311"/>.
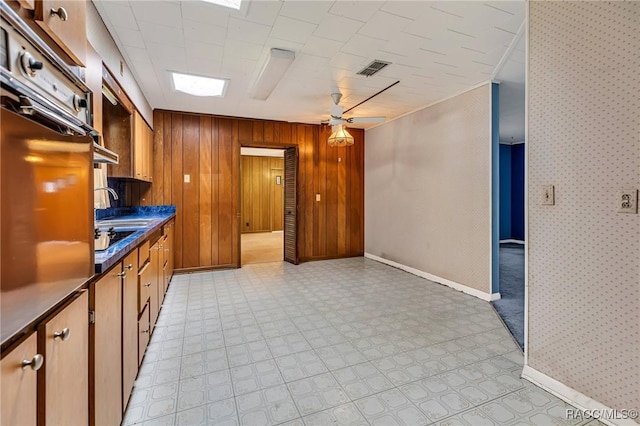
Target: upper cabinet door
<point x="66" y="22"/>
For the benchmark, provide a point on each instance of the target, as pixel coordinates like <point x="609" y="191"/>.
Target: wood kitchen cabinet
<point x="142" y="149"/>
<point x="106" y="348"/>
<point x="129" y="325"/>
<point x="65" y="21"/>
<point x="19" y="384"/>
<point x="154" y="289"/>
<point x="63" y="380"/>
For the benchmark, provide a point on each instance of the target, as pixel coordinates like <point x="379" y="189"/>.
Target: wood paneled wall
<point x="207" y="148"/>
<point x="258" y="204"/>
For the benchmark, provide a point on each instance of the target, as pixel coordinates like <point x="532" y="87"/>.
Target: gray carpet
<point x="511" y="305"/>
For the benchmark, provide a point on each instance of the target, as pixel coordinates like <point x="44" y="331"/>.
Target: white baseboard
<point x="572" y="396"/>
<point x="457" y="286"/>
<point x="512" y="241"/>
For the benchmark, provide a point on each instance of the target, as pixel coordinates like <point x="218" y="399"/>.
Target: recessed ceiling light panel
<point x="197" y="85"/>
<point x="233" y="4"/>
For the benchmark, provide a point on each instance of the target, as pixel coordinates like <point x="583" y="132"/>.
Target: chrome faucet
<point x="109" y="190"/>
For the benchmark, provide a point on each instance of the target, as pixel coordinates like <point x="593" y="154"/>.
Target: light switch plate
<point x="187" y="178"/>
<point x="628" y="201"/>
<point x="548" y="195"/>
<point x="317" y="197"/>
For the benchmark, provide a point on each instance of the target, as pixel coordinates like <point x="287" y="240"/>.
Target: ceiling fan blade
<point x="367" y="119"/>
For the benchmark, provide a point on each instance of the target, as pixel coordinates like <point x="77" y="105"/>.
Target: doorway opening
<point x="510" y="168"/>
<point x="267" y="177"/>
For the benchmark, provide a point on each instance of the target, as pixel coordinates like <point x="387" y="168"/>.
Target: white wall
<point x="428" y="190"/>
<point x="584" y="256"/>
<point x="103" y="43"/>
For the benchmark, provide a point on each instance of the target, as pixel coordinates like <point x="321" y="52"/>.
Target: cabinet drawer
<point x="144" y="285"/>
<point x="143" y="253"/>
<point x="144" y="330"/>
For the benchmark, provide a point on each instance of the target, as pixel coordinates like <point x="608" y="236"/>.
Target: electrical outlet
<point x="548" y="195"/>
<point x="317" y="197"/>
<point x="187" y="178"/>
<point x="628" y="201"/>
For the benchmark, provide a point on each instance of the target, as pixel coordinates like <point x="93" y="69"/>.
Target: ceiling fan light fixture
<point x="340" y="137"/>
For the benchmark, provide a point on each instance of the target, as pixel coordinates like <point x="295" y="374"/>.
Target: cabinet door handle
<point x="129" y="266"/>
<point x="35" y="363"/>
<point x="122" y="274"/>
<point x="148" y="284"/>
<point x="61" y="13"/>
<point x="62" y="335"/>
<point x="145" y="331"/>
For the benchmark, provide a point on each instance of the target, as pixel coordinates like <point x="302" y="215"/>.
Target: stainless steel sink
<point x="123" y="223"/>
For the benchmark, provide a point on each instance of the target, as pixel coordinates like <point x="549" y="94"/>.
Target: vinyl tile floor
<point x="341" y="342"/>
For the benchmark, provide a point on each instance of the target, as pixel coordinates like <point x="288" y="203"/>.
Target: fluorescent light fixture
<point x="277" y="65"/>
<point x="233" y="4"/>
<point x="197" y="85"/>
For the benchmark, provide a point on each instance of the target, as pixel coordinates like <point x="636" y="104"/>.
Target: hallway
<point x="347" y="341"/>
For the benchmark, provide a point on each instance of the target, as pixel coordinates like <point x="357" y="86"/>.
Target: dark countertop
<point x="158" y="214"/>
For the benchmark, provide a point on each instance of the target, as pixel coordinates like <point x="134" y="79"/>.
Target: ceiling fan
<point x="336" y="111"/>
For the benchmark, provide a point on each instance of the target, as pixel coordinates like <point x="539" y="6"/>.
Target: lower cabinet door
<point x="129" y="325"/>
<point x="19" y="383"/>
<point x="64" y="378"/>
<point x="106" y="339"/>
<point x="144" y="330"/>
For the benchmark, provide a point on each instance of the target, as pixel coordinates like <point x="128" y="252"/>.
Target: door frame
<point x="282" y="146"/>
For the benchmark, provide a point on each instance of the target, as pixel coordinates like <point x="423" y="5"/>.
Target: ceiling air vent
<point x="373" y="68"/>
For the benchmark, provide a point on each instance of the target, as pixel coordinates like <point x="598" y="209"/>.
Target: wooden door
<point x="129" y="325"/>
<point x="106" y="353"/>
<point x="277" y="199"/>
<point x="64" y="379"/>
<point x="290" y="205"/>
<point x="19" y="384"/>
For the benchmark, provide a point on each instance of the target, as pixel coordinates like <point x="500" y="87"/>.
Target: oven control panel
<point x="28" y="66"/>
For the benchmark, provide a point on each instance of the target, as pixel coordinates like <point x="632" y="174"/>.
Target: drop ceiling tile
<point x="248" y="31"/>
<point x="397" y="71"/>
<point x="337" y="28"/>
<point x="232" y="65"/>
<point x="513" y="6"/>
<point x="155" y="33"/>
<point x="404" y="44"/>
<point x="407" y="9"/>
<point x="118" y="13"/>
<point x="205" y="12"/>
<point x="458" y="9"/>
<point x="309" y="62"/>
<point x="431" y="25"/>
<point x="198" y="49"/>
<point x="130" y="37"/>
<point x="307" y="11"/>
<point x="348" y="61"/>
<point x="166" y="57"/>
<point x="358" y="10"/>
<point x="512" y="24"/>
<point x="137" y="54"/>
<point x="384" y="26"/>
<point x="243" y="49"/>
<point x="263" y="12"/>
<point x="363" y="46"/>
<point x="198" y="31"/>
<point x="158" y="12"/>
<point x="292" y="29"/>
<point x="322" y="47"/>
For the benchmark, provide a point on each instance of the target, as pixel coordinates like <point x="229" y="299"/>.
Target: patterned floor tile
<point x="317" y="393"/>
<point x="300" y="365"/>
<point x="362" y="380"/>
<point x="218" y="413"/>
<point x="248" y="353"/>
<point x="204" y="363"/>
<point x="342" y="415"/>
<point x="266" y="407"/>
<point x="390" y="408"/>
<point x="287" y="345"/>
<point x="253" y="377"/>
<point x="204" y="389"/>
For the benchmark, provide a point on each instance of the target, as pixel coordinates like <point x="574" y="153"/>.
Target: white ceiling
<point x="437" y="49"/>
<point x="511" y="75"/>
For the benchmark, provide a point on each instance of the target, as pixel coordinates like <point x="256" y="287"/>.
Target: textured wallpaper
<point x="584" y="138"/>
<point x="428" y="187"/>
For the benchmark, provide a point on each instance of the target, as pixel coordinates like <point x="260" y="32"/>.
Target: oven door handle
<point x="30" y="107"/>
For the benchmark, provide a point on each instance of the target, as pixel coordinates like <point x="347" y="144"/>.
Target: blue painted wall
<point x="512" y="192"/>
<point x="505" y="192"/>
<point x="517" y="191"/>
